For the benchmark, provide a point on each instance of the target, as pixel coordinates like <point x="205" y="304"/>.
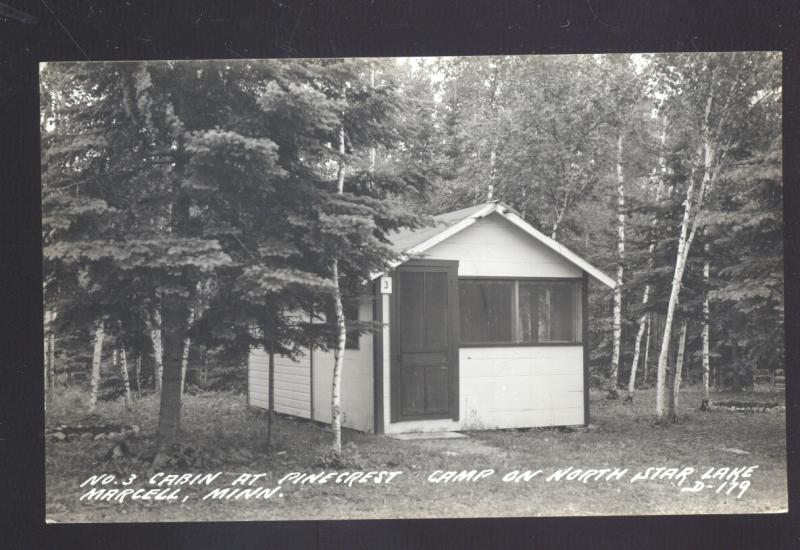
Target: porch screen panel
<point x="550" y="312"/>
<point x="520" y="311"/>
<point x="486" y="310"/>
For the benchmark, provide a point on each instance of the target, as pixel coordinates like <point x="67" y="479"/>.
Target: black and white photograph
<point x="413" y="287"/>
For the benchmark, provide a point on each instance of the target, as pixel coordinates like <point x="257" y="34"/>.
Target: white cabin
<point x="484" y="327"/>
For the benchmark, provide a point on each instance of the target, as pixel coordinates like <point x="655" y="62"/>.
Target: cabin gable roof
<point x="413" y="243"/>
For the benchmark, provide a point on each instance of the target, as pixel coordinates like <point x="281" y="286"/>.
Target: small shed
<point x="484" y="326"/>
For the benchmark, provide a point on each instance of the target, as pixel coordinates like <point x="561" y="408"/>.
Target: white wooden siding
<point x="511" y="387"/>
<point x="494" y="247"/>
<point x="293" y="382"/>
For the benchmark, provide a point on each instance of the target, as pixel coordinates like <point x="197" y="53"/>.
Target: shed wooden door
<point x="425" y="362"/>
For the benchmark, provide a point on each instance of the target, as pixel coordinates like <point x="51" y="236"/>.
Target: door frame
<point x="395" y="375"/>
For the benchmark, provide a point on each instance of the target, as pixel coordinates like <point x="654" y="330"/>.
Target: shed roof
<point x="412" y="243"/>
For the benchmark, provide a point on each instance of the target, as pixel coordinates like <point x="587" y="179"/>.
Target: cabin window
<point x="520" y="312"/>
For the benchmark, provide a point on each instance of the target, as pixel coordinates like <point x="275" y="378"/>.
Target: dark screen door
<point x="426" y="352"/>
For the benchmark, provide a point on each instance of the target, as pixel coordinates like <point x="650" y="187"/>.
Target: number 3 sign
<point x="386" y="285"/>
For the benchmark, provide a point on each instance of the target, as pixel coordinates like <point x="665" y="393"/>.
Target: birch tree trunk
<point x="554" y="231"/>
<point x="614" y="376"/>
<point x="158" y="349"/>
<point x="492" y="161"/>
<point x="51" y="358"/>
<point x="185" y="357"/>
<point x="677" y="278"/>
<point x="139" y="376"/>
<point x="99" y="333"/>
<point x="372" y="150"/>
<point x="126" y="382"/>
<point x="645" y="318"/>
<point x="678" y="374"/>
<point x="49" y="352"/>
<point x="636" y="351"/>
<point x="338" y="352"/>
<point x="684" y="245"/>
<point x="706" y="316"/>
<point x="46" y="392"/>
<point x="46" y="355"/>
<point x="647" y="348"/>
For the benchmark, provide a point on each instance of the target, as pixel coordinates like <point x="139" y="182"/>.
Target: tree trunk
<point x="492" y="160"/>
<point x="47" y="393"/>
<point x="647" y="349"/>
<point x="676" y="379"/>
<point x="185" y="357"/>
<point x="706" y="315"/>
<point x="139" y="376"/>
<point x="271" y="397"/>
<point x="645" y="318"/>
<point x="671" y="356"/>
<point x="175" y="315"/>
<point x="49" y="352"/>
<point x="372" y="150"/>
<point x="51" y="359"/>
<point x="554" y="231"/>
<point x="126" y="382"/>
<point x="158" y="349"/>
<point x="99" y="333"/>
<point x="338" y="352"/>
<point x="684" y="245"/>
<point x="672" y="304"/>
<point x="46" y="356"/>
<point x="635" y="362"/>
<point x="205" y="366"/>
<point x="613" y="382"/>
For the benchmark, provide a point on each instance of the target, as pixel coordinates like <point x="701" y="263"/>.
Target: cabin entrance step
<point x="428" y="435"/>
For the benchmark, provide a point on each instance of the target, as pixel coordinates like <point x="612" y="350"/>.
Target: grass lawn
<point x="229" y="438"/>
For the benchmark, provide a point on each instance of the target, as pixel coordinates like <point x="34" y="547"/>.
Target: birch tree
<point x="126" y="381"/>
<point x="706" y="319"/>
<point x="617" y="323"/>
<point x="97" y="355"/>
<point x="722" y="97"/>
<point x="677" y="373"/>
<point x="185" y="357"/>
<point x="341" y="329"/>
<point x="49" y="352"/>
<point x="358" y="207"/>
<point x="644" y="319"/>
<point x="158" y="349"/>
